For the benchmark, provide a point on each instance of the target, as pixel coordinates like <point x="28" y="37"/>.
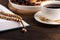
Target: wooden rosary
<point x="13" y="17"/>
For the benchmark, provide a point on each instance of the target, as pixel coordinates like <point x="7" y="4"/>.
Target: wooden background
<point x="38" y="31"/>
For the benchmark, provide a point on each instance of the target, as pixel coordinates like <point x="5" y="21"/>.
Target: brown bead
<point x="24" y="30"/>
<point x="11" y="15"/>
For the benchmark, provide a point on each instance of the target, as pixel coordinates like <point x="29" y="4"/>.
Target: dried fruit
<point x="27" y="2"/>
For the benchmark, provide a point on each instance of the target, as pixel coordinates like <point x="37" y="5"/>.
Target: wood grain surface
<point x="38" y="31"/>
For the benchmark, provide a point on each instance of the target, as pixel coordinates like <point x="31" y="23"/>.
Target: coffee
<point x="54" y="6"/>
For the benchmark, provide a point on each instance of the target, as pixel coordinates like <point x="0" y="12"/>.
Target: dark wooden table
<point x="38" y="31"/>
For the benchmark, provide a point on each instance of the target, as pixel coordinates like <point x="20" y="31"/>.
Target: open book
<point x="6" y="24"/>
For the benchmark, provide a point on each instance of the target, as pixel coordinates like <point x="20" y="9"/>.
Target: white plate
<point x="38" y="14"/>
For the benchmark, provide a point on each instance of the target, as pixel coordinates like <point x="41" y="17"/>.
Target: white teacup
<point x="51" y="13"/>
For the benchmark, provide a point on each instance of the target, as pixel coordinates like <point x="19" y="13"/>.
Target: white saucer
<point x="38" y="14"/>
